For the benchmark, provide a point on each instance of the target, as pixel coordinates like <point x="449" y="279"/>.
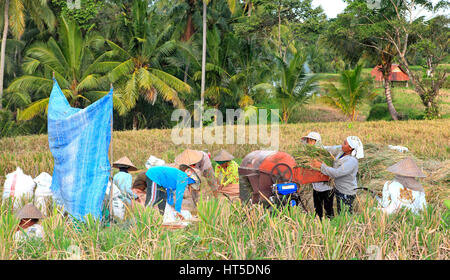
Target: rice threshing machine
<point x="273" y="176"/>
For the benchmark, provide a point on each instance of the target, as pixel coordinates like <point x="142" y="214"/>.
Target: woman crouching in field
<point x="344" y="171"/>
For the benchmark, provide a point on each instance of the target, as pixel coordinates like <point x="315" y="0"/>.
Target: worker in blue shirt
<point x="123" y="179"/>
<point x="163" y="182"/>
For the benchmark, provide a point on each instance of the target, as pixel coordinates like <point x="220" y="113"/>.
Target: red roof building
<point x="397" y="74"/>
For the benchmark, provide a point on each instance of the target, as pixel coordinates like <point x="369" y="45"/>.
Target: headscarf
<point x="355" y="143"/>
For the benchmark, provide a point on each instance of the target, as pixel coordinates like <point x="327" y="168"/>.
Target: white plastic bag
<point x="118" y="208"/>
<point x="398" y="148"/>
<point x="118" y="205"/>
<point x="18" y="185"/>
<point x="170" y="215"/>
<point x="116" y="191"/>
<point x="154" y="161"/>
<point x="43" y="194"/>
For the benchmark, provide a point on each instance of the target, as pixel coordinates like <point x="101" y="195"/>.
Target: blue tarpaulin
<point x="79" y="141"/>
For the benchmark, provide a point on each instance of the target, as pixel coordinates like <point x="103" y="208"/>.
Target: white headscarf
<point x="357" y="146"/>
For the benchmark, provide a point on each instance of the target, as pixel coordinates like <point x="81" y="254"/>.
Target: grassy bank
<point x="232" y="231"/>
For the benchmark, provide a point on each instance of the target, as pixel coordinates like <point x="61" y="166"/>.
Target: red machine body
<point x="261" y="169"/>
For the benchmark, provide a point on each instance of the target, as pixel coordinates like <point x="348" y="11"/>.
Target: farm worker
<point x="404" y="190"/>
<point x="227" y="174"/>
<point x="29" y="217"/>
<point x="163" y="183"/>
<point x="123" y="179"/>
<point x="201" y="161"/>
<point x="323" y="194"/>
<point x="139" y="187"/>
<point x="344" y="171"/>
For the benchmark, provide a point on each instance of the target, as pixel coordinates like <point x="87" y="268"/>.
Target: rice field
<point x="228" y="230"/>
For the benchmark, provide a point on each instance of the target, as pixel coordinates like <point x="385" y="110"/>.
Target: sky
<point x="334" y="7"/>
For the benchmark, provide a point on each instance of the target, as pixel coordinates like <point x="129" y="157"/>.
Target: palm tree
<point x="70" y="60"/>
<point x="295" y="86"/>
<point x="137" y="66"/>
<point x="232" y="6"/>
<point x="14" y="15"/>
<point x="352" y="91"/>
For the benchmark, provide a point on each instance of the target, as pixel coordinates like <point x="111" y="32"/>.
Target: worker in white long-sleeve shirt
<point x="323" y="194"/>
<point x="404" y="191"/>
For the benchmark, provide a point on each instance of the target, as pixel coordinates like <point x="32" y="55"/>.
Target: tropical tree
<point x="137" y="66"/>
<point x="71" y="60"/>
<point x="431" y="38"/>
<point x="14" y="16"/>
<point x="293" y="86"/>
<point x="352" y="90"/>
<point x="362" y="30"/>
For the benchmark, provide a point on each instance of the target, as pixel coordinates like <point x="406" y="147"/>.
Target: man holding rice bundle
<point x="344" y="170"/>
<point x="323" y="194"/>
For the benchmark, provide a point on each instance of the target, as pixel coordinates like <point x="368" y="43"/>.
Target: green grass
<point x="234" y="231"/>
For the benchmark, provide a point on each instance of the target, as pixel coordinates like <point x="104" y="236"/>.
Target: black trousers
<point x="345" y="200"/>
<point x="323" y="200"/>
<point x="156" y="195"/>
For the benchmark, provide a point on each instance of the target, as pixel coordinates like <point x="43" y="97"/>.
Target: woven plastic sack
<point x="79" y="141"/>
<point x="43" y="194"/>
<point x="170" y="215"/>
<point x="154" y="161"/>
<point x="18" y="185"/>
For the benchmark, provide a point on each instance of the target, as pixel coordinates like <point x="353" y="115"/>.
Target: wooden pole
<point x="111" y="211"/>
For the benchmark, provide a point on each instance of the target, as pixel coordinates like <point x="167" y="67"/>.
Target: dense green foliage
<point x="260" y="54"/>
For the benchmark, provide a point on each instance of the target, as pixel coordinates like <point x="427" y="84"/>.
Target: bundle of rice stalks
<point x="372" y="168"/>
<point x="306" y="153"/>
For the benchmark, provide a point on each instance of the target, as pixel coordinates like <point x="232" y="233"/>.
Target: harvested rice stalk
<point x="306" y="153"/>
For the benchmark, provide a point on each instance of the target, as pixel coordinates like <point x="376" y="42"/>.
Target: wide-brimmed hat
<point x="410" y="183"/>
<point x="313" y="135"/>
<point x="407" y="168"/>
<point x="29" y="211"/>
<point x="125" y="162"/>
<point x="189" y="157"/>
<point x="193" y="175"/>
<point x="223" y="156"/>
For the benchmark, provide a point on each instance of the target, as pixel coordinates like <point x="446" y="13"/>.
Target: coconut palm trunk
<point x="387" y="93"/>
<point x="386" y="70"/>
<point x="3" y="50"/>
<point x="202" y="94"/>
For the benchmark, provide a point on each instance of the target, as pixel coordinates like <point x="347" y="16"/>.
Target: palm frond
<point x="34" y="109"/>
<point x="121" y="70"/>
<point x="172" y="81"/>
<point x="88" y="83"/>
<point x="30" y="84"/>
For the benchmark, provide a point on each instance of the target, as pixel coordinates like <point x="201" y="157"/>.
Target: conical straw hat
<point x="125" y="162"/>
<point x="223" y="156"/>
<point x="406" y="167"/>
<point x="29" y="211"/>
<point x="410" y="183"/>
<point x="189" y="157"/>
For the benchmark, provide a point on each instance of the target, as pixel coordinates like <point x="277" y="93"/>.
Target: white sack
<point x="43" y="195"/>
<point x="398" y="148"/>
<point x="154" y="161"/>
<point x="170" y="215"/>
<point x="18" y="185"/>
